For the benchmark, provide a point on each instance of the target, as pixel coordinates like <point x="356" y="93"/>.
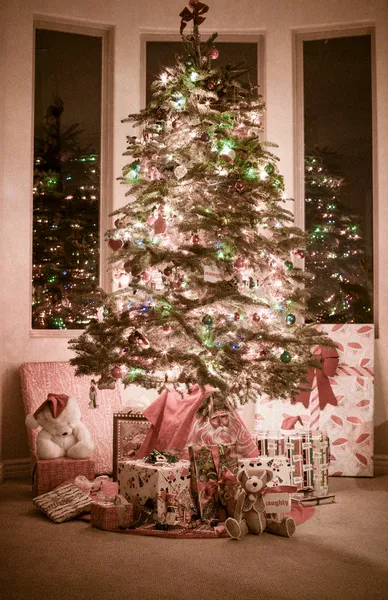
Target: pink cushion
<point x="40" y="378"/>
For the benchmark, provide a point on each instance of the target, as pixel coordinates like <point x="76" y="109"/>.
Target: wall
<point x="129" y="18"/>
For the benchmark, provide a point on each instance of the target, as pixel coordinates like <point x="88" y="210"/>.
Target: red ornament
<point x="214" y="53"/>
<point x="239" y="263"/>
<point x="146" y="276"/>
<point x="263" y="354"/>
<point x="160" y="225"/>
<point x="115" y="244"/>
<point x="239" y="186"/>
<point x="116" y="372"/>
<point x="301" y="253"/>
<point x="168" y="271"/>
<point x="195" y="239"/>
<point x="118" y="223"/>
<point x="236" y="316"/>
<point x="177" y="284"/>
<point x="166" y="329"/>
<point x="256" y="318"/>
<point x="211" y="85"/>
<point x="176" y="124"/>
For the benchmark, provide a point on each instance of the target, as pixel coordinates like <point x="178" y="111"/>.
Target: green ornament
<point x="289" y="265"/>
<point x="207" y="320"/>
<point x="105" y="311"/>
<point x="290" y="319"/>
<point x="285" y="357"/>
<point x="270" y="169"/>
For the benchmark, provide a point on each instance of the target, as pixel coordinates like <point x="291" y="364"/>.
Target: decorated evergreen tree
<point x="202" y="253"/>
<point x="66" y="227"/>
<point x="340" y="291"/>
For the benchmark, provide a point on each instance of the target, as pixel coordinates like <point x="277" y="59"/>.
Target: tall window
<point x="337" y="89"/>
<point x="66" y="186"/>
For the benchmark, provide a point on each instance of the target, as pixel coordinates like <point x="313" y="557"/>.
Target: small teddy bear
<point x="62" y="433"/>
<point x="250" y="515"/>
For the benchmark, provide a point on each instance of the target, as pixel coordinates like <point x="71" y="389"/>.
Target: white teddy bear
<point x="62" y="433"/>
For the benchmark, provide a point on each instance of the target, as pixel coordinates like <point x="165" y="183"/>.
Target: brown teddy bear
<point x="249" y="514"/>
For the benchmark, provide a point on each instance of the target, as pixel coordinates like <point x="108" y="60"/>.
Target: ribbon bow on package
<point x="186" y="15"/>
<point x="329" y="360"/>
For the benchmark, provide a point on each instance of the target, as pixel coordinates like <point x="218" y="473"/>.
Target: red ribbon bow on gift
<point x="329" y="361"/>
<point x="198" y="9"/>
<point x="211" y="487"/>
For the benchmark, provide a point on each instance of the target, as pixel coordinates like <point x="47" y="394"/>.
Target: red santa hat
<point x="56" y="403"/>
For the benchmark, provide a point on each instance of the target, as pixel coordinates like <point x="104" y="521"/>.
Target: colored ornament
<point x="290" y="319"/>
<point x="270" y="169"/>
<point x="256" y="318"/>
<point x="160" y="225"/>
<point x="204" y="137"/>
<point x="239" y="186"/>
<point x="236" y="316"/>
<point x="176" y="124"/>
<point x="210" y="85"/>
<point x="289" y="265"/>
<point x="151" y="219"/>
<point x="195" y="239"/>
<point x="285" y="357"/>
<point x="145" y="276"/>
<point x="105" y="311"/>
<point x="166" y="329"/>
<point x="263" y="354"/>
<point x="301" y="253"/>
<point x="180" y="171"/>
<point x="228" y="154"/>
<point x="214" y="53"/>
<point x="115" y="244"/>
<point x="168" y="271"/>
<point x="207" y="320"/>
<point x="118" y="223"/>
<point x="239" y="263"/>
<point x="116" y="372"/>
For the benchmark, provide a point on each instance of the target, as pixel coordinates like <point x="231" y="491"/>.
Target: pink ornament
<point x="115" y="244"/>
<point x="239" y="186"/>
<point x="145" y="276"/>
<point x="116" y="372"/>
<point x="214" y="53"/>
<point x="151" y="219"/>
<point x="256" y="318"/>
<point x="166" y="329"/>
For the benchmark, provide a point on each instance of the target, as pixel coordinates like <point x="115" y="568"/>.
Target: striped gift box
<point x="64" y="503"/>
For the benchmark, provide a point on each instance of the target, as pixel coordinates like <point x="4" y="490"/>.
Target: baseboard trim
<point x="15" y="468"/>
<point x="381" y="464"/>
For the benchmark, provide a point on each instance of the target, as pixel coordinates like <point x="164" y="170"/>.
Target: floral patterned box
<point x="340" y="404"/>
<point x="141" y="482"/>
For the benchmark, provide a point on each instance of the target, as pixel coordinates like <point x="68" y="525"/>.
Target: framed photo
<point x="129" y="432"/>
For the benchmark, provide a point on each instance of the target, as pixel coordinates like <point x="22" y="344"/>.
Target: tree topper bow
<point x="186" y="15"/>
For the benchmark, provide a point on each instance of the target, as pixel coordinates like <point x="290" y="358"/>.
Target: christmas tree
<point x="340" y="290"/>
<point x="66" y="227"/>
<point x="203" y="250"/>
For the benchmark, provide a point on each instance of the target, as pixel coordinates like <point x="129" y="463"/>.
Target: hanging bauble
<point x="151" y="219"/>
<point x="289" y="265"/>
<point x="139" y="339"/>
<point x="176" y="124"/>
<point x="195" y="239"/>
<point x="207" y="320"/>
<point x="256" y="318"/>
<point x="166" y="329"/>
<point x="301" y="253"/>
<point x="228" y="154"/>
<point x="115" y="244"/>
<point x="263" y="354"/>
<point x="285" y="356"/>
<point x="146" y="276"/>
<point x="290" y="319"/>
<point x="239" y="186"/>
<point x="270" y="169"/>
<point x="105" y="311"/>
<point x="239" y="263"/>
<point x="118" y="223"/>
<point x="236" y="316"/>
<point x="204" y="137"/>
<point x="124" y="351"/>
<point x="180" y="171"/>
<point x="210" y="85"/>
<point x="168" y="271"/>
<point x="116" y="372"/>
<point x="214" y="53"/>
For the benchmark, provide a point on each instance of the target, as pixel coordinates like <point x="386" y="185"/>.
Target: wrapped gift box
<point x="307" y="454"/>
<point x="111" y="514"/>
<point x="214" y="482"/>
<point x="340" y="404"/>
<point x="64" y="503"/>
<point x="279" y="465"/>
<point x="152" y="485"/>
<point x="48" y="474"/>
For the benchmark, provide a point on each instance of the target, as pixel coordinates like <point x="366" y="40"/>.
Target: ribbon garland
<point x="186" y="15"/>
<point x="329" y="361"/>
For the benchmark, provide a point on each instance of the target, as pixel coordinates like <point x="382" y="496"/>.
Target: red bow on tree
<point x="198" y="9"/>
<point x="329" y="363"/>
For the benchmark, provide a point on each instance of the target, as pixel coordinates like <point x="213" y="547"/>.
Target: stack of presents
<point x="184" y="475"/>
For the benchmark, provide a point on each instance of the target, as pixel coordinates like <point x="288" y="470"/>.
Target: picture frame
<point x="129" y="432"/>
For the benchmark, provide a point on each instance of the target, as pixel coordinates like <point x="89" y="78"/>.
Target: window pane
<point x="66" y="178"/>
<point x="338" y="177"/>
<point x="160" y="55"/>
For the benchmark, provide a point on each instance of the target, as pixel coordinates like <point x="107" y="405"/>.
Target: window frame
<point x="106" y="33"/>
<point x="299" y="36"/>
